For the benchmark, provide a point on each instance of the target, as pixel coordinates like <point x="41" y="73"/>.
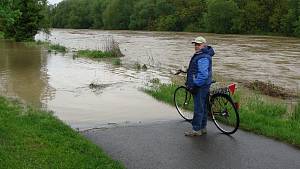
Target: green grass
<point x="95" y="54"/>
<point x="1" y="35"/>
<point x="296" y="112"/>
<point x="257" y="115"/>
<point x="35" y="139"/>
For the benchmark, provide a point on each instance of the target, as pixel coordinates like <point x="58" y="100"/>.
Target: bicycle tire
<point x="225" y="117"/>
<point x="184" y="103"/>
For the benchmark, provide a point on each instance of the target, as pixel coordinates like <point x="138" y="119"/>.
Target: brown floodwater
<point x="60" y="82"/>
<point x="264" y="58"/>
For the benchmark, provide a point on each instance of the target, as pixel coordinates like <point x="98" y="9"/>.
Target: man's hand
<point x="192" y="90"/>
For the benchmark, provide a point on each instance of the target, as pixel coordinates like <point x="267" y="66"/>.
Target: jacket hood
<point x="208" y="50"/>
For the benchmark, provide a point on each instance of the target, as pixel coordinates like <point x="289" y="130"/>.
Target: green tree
<point x="221" y="16"/>
<point x="8" y="15"/>
<point x="117" y="14"/>
<point x="297" y="27"/>
<point x="167" y="23"/>
<point x="250" y="16"/>
<point x="287" y="22"/>
<point x="98" y="6"/>
<point x="144" y="15"/>
<point x="31" y="19"/>
<point x="60" y="14"/>
<point x="275" y="20"/>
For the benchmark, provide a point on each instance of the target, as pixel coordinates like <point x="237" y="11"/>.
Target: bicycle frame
<point x="219" y="113"/>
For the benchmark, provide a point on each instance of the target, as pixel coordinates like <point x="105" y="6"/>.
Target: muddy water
<point x="265" y="58"/>
<point x="61" y="83"/>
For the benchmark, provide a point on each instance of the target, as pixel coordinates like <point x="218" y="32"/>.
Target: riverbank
<point x="257" y="115"/>
<point x="33" y="138"/>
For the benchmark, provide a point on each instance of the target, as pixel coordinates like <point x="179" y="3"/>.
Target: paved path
<point x="163" y="146"/>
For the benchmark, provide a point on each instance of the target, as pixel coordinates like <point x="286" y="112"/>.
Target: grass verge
<point x="35" y="139"/>
<point x="257" y="115"/>
<point x="1" y="35"/>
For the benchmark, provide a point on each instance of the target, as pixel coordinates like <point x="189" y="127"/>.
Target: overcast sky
<point x="54" y="1"/>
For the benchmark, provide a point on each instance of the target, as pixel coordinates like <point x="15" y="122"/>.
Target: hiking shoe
<point x="193" y="133"/>
<point x="204" y="131"/>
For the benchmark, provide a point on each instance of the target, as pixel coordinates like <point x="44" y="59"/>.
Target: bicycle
<point x="221" y="107"/>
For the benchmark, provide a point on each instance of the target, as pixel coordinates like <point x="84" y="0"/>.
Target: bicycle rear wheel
<point x="184" y="103"/>
<point x="224" y="113"/>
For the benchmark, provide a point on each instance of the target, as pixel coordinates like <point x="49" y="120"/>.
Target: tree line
<point x="217" y="16"/>
<point x="22" y="19"/>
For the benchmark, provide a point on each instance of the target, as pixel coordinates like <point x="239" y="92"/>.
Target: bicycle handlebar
<point x="179" y="71"/>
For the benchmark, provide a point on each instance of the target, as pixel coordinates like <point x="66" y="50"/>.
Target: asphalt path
<point x="162" y="145"/>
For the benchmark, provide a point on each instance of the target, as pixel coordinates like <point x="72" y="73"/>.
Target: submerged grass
<point x="35" y="139"/>
<point x="95" y="54"/>
<point x="139" y="66"/>
<point x="117" y="62"/>
<point x="256" y="114"/>
<point x="57" y="47"/>
<point x="50" y="47"/>
<point x="110" y="49"/>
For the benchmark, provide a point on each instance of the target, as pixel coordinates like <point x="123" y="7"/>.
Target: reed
<point x="110" y="49"/>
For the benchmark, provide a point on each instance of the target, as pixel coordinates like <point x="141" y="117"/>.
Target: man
<point x="199" y="78"/>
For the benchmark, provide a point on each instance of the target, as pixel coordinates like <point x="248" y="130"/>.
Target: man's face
<point x="199" y="46"/>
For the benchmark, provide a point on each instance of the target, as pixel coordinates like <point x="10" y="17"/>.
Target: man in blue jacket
<point x="199" y="78"/>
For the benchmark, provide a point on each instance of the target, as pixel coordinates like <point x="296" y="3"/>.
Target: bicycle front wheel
<point x="184" y="103"/>
<point x="224" y="113"/>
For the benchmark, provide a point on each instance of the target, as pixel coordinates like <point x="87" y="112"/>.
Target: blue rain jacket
<point x="199" y="73"/>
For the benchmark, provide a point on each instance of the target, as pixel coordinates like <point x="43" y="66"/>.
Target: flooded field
<point x="61" y="83"/>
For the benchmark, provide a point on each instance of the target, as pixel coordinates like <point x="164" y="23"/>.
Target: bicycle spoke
<point x="224" y="113"/>
<point x="184" y="103"/>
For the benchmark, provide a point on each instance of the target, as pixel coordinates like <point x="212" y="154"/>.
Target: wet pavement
<point x="163" y="146"/>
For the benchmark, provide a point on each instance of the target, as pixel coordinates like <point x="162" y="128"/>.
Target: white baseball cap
<point x="199" y="40"/>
